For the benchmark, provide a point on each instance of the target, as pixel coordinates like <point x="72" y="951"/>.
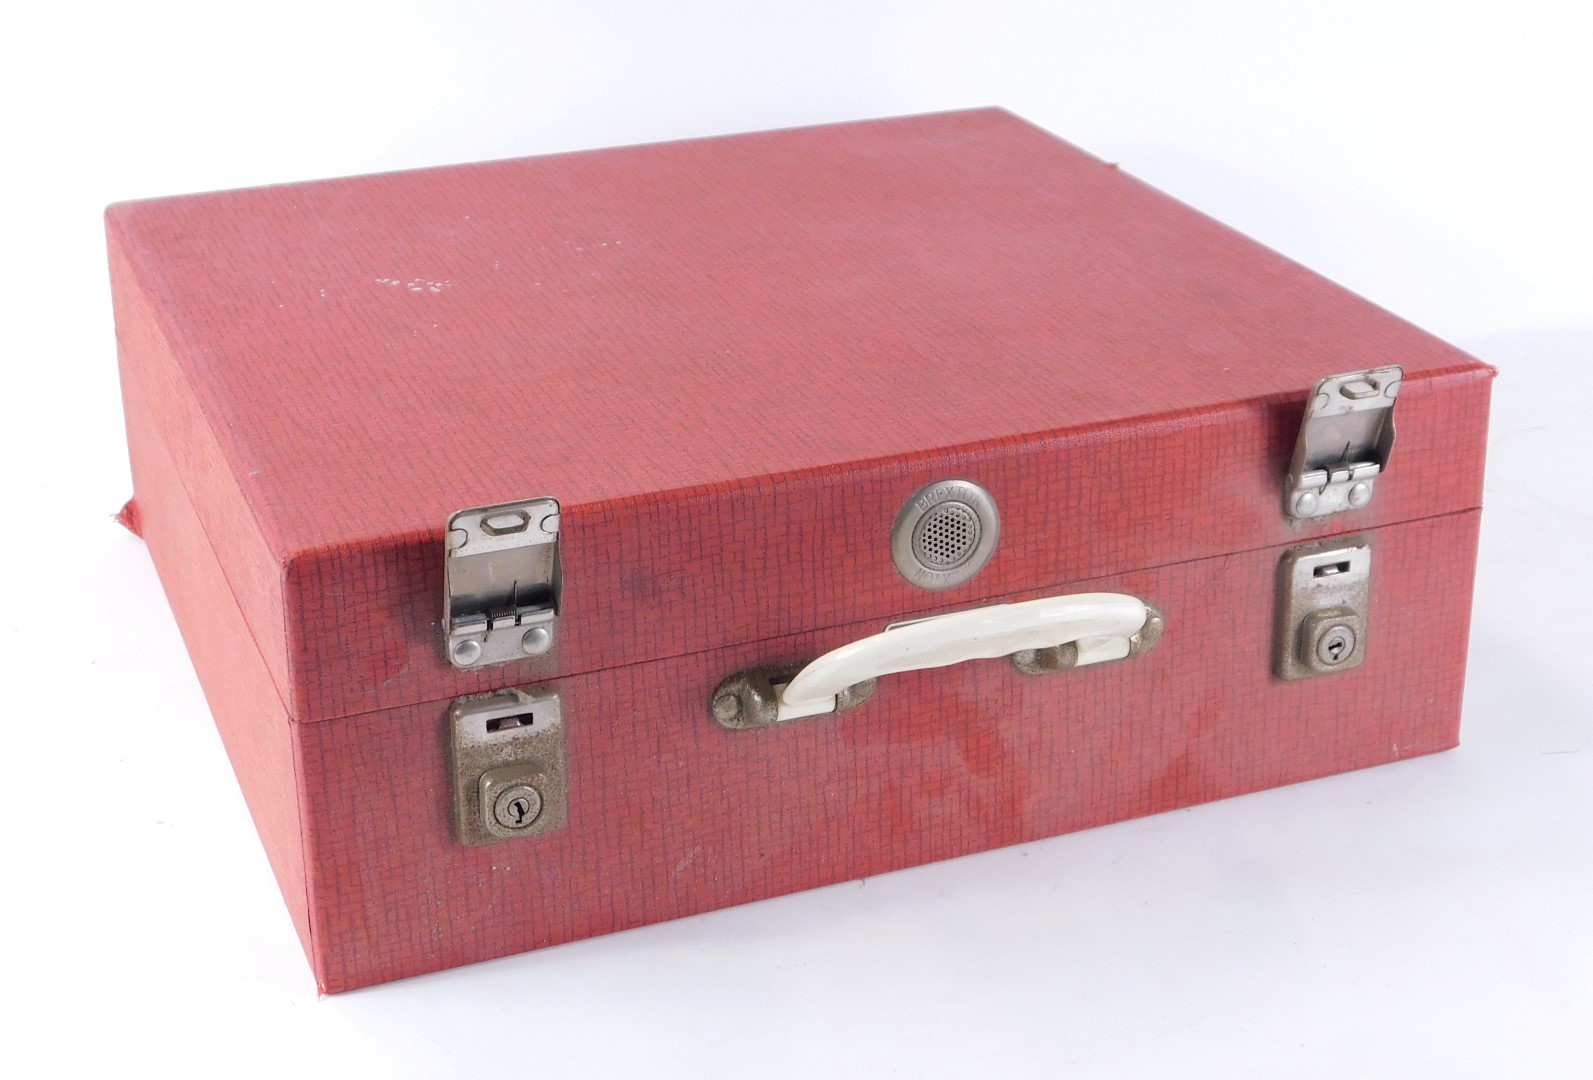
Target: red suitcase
<point x="723" y="408"/>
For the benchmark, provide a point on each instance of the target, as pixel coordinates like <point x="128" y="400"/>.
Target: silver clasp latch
<point x="503" y="583"/>
<point x="1344" y="443"/>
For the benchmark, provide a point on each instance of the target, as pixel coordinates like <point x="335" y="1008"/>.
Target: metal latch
<point x="1344" y="442"/>
<point x="510" y="774"/>
<point x="1324" y="593"/>
<point x="503" y="583"/>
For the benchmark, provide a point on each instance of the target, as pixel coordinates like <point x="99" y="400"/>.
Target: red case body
<point x="732" y="361"/>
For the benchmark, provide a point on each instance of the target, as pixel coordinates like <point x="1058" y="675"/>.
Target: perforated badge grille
<point x="946" y="536"/>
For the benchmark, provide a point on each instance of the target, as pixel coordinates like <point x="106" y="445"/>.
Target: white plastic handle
<point x="1100" y="624"/>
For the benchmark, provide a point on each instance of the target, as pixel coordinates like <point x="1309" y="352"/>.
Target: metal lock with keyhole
<point x="509" y="765"/>
<point x="1324" y="591"/>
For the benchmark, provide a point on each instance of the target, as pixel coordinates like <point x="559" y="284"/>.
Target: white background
<point x="1431" y="918"/>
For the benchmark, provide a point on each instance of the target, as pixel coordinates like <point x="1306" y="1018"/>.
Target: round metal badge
<point x="945" y="534"/>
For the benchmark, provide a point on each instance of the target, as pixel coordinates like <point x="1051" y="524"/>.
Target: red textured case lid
<point x="731" y="360"/>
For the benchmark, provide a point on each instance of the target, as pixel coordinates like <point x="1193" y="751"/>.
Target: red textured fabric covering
<point x="732" y="360"/>
<point x="351" y="360"/>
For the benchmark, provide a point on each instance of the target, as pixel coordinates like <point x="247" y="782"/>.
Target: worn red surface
<point x="248" y="710"/>
<point x="732" y="361"/>
<point x="671" y="815"/>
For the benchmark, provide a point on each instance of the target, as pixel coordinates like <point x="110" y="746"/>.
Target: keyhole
<point x="517" y="808"/>
<point x="1336" y="646"/>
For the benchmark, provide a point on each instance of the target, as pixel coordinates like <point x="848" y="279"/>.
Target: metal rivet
<point x="726" y="707"/>
<point x="467" y="652"/>
<point x="537" y="641"/>
<point x="1305" y="503"/>
<point x="1336" y="646"/>
<point x="517" y="807"/>
<point x="1360" y="494"/>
